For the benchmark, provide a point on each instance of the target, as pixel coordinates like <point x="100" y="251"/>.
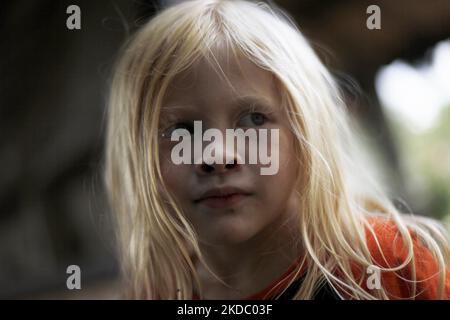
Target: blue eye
<point x="253" y="119"/>
<point x="180" y="125"/>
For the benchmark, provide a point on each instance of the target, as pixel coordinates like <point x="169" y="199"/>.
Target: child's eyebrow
<point x="174" y="107"/>
<point x="257" y="102"/>
<point x="245" y="101"/>
<point x="237" y="103"/>
<point x="171" y="110"/>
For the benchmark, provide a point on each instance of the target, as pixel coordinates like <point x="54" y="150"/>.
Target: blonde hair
<point x="158" y="249"/>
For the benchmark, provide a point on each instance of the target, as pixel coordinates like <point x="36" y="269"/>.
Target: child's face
<point x="262" y="200"/>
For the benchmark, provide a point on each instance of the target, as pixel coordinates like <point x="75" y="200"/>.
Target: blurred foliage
<point x="425" y="156"/>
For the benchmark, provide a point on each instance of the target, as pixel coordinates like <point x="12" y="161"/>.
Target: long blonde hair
<point x="158" y="249"/>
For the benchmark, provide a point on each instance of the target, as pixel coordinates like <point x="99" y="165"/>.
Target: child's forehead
<point x="223" y="77"/>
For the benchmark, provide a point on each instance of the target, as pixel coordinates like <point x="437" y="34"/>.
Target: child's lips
<point x="222" y="197"/>
<point x="223" y="201"/>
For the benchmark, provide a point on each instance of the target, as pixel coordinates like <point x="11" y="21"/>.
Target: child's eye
<point x="253" y="119"/>
<point x="180" y="125"/>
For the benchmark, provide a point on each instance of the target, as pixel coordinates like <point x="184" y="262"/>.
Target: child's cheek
<point x="288" y="172"/>
<point x="174" y="176"/>
<point x="286" y="150"/>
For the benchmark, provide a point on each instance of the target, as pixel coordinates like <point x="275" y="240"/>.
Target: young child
<point x="315" y="228"/>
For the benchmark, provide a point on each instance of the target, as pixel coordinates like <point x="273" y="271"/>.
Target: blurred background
<point x="53" y="210"/>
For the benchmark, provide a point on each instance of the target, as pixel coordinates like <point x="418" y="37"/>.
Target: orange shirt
<point x="395" y="253"/>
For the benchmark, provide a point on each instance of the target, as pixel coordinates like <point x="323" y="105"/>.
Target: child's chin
<point x="231" y="233"/>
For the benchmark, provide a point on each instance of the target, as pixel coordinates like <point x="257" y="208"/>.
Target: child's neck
<point x="251" y="266"/>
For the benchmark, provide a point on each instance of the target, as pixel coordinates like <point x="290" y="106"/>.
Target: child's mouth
<point x="222" y="197"/>
<point x="223" y="201"/>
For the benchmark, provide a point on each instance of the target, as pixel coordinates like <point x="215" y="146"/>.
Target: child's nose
<point x="224" y="160"/>
<point x="216" y="168"/>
